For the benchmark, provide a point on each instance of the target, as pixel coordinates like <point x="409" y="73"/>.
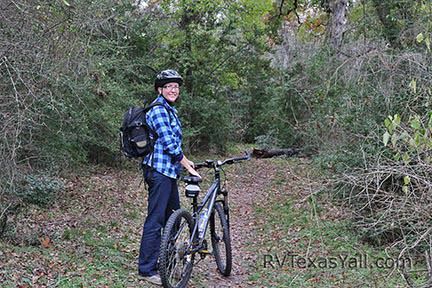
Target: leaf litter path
<point x="248" y="186"/>
<point x="90" y="237"/>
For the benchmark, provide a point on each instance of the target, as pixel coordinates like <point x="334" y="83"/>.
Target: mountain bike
<point x="184" y="235"/>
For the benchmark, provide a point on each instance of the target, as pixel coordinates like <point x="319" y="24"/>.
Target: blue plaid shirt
<point x="167" y="150"/>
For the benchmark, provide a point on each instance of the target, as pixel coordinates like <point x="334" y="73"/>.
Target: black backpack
<point x="137" y="139"/>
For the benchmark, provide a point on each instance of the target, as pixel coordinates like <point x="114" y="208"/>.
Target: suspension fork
<point x="224" y="192"/>
<point x="224" y="203"/>
<point x="226" y="207"/>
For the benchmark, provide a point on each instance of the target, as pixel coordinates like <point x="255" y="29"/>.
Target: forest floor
<point x="286" y="232"/>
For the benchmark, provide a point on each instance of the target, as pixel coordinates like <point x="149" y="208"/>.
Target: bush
<point x="39" y="189"/>
<point x="392" y="195"/>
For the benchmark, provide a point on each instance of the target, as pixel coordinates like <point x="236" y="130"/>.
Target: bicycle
<point x="184" y="233"/>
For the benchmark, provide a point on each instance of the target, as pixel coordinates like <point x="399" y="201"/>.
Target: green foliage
<point x="401" y="20"/>
<point x="105" y="61"/>
<point x="246" y="80"/>
<point x="216" y="48"/>
<point x="336" y="106"/>
<point x="70" y="70"/>
<point x="316" y="231"/>
<point x="39" y="189"/>
<point x="426" y="40"/>
<point x="65" y="97"/>
<point x="411" y="141"/>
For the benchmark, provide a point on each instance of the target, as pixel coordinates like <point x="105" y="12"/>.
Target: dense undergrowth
<point x="69" y="70"/>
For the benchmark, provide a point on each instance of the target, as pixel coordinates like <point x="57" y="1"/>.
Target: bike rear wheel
<point x="221" y="240"/>
<point x="175" y="261"/>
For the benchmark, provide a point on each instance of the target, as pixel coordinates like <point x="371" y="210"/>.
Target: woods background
<point x="319" y="75"/>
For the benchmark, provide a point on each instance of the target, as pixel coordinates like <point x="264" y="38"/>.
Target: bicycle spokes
<point x="176" y="260"/>
<point x="184" y="235"/>
<point x="221" y="240"/>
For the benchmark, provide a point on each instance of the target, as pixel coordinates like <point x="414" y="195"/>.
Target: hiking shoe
<point x="155" y="279"/>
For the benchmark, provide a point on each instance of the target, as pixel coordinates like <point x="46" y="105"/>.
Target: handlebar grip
<point x="235" y="159"/>
<point x="200" y="165"/>
<point x="214" y="163"/>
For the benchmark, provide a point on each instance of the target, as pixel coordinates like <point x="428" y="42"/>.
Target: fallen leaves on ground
<point x="91" y="235"/>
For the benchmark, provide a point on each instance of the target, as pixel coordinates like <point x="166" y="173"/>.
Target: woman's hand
<point x="189" y="165"/>
<point x="193" y="172"/>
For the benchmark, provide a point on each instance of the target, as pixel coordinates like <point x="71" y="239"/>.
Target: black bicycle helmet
<point x="167" y="76"/>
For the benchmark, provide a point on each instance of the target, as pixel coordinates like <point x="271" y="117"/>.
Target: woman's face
<point x="170" y="91"/>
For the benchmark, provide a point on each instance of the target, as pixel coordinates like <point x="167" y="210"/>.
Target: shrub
<point x="40" y="189"/>
<point x="392" y="195"/>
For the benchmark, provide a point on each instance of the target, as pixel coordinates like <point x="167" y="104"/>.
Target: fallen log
<point x="266" y="153"/>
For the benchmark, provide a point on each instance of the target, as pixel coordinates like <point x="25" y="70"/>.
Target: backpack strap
<point x="148" y="108"/>
<point x="154" y="104"/>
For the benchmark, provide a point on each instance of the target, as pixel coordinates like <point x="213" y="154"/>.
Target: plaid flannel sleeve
<point x="160" y="119"/>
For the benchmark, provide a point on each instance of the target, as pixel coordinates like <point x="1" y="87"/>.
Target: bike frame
<point x="208" y="202"/>
<point x="210" y="199"/>
<point x="178" y="250"/>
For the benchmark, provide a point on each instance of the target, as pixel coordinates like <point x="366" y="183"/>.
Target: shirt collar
<point x="162" y="100"/>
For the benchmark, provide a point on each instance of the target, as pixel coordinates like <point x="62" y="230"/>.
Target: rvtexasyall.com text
<point x="361" y="261"/>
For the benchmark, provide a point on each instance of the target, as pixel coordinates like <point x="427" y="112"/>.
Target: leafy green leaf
<point x="418" y="138"/>
<point x="394" y="138"/>
<point x="406" y="158"/>
<point x="413" y="85"/>
<point x="407" y="180"/>
<point x="430" y="120"/>
<point x="420" y="38"/>
<point x="397" y="119"/>
<point x="386" y="138"/>
<point x="404" y="136"/>
<point x="415" y="123"/>
<point x="387" y="123"/>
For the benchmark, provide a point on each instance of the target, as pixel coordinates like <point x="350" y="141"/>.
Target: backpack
<point x="137" y="139"/>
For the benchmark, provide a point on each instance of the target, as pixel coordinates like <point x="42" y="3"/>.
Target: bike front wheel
<point x="221" y="240"/>
<point x="175" y="259"/>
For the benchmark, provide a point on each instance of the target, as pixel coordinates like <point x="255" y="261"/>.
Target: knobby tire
<point x="175" y="263"/>
<point x="221" y="240"/>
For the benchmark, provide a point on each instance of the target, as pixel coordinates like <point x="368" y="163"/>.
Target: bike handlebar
<point x="219" y="163"/>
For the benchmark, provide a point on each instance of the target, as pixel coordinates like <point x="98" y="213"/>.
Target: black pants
<point x="163" y="199"/>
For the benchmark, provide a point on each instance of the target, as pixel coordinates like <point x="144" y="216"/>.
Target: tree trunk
<point x="337" y="22"/>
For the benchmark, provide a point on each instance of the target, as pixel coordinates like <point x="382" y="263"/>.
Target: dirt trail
<point x="90" y="236"/>
<point x="248" y="186"/>
<point x="103" y="212"/>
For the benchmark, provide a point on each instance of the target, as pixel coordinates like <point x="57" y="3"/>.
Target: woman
<point x="161" y="169"/>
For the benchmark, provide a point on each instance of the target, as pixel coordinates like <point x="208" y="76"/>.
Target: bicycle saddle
<point x="191" y="179"/>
